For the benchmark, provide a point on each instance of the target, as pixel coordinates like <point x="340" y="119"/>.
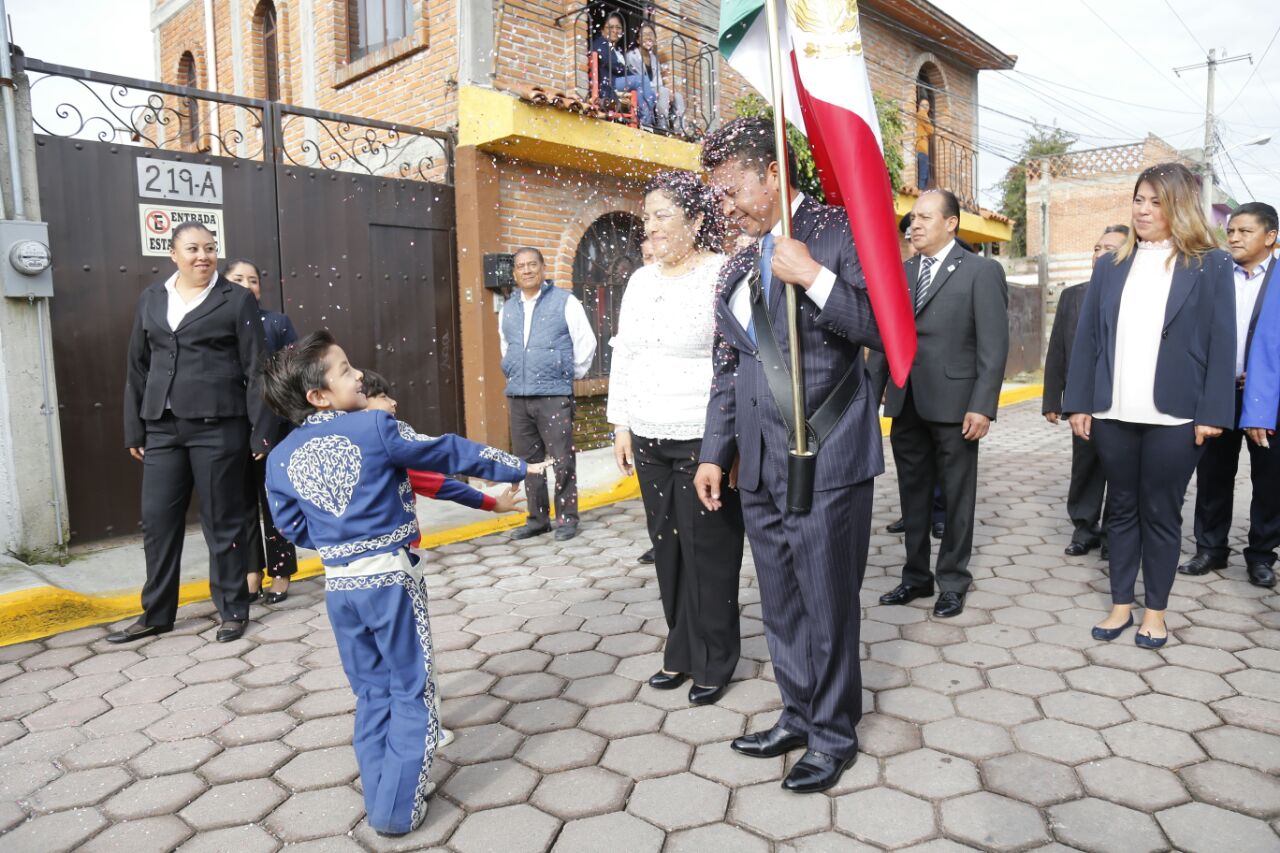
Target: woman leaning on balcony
<point x="612" y="69"/>
<point x="644" y="59"/>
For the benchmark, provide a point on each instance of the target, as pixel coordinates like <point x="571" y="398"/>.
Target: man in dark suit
<point x="1251" y="239"/>
<point x="1088" y="483"/>
<point x="949" y="400"/>
<point x="810" y="565"/>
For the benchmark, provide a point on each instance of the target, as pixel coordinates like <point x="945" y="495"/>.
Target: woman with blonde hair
<point x="1152" y="377"/>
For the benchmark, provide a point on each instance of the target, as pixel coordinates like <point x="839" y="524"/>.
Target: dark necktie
<point x="922" y="281"/>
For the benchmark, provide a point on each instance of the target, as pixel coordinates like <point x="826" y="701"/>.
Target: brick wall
<point x="590" y="428"/>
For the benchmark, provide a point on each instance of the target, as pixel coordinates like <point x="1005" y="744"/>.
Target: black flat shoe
<point x="275" y="597"/>
<point x="898" y="526"/>
<point x="1202" y="563"/>
<point x="255" y="595"/>
<point x="1147" y="641"/>
<point x="1077" y="549"/>
<point x="1109" y="634"/>
<point x="230" y="630"/>
<point x="699" y="695"/>
<point x="667" y="680"/>
<point x="903" y="594"/>
<point x="938" y="529"/>
<point x="137" y="631"/>
<point x="565" y="532"/>
<point x="528" y="532"/>
<point x="816" y="771"/>
<point x="1260" y="574"/>
<point x="647" y="557"/>
<point x="949" y="604"/>
<point x="768" y="744"/>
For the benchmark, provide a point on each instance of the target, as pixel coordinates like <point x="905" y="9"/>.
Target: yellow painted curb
<point x="1007" y="398"/>
<point x="30" y="614"/>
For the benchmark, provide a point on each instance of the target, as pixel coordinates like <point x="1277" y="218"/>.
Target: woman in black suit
<point x="267" y="548"/>
<point x="191" y="403"/>
<point x="1152" y="377"/>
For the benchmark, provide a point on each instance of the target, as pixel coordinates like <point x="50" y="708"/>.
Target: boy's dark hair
<point x="293" y="371"/>
<point x="750" y="141"/>
<point x="375" y="384"/>
<point x="1264" y="213"/>
<point x="184" y="227"/>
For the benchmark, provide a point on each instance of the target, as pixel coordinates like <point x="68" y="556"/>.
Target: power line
<point x="1256" y="66"/>
<point x="1226" y="153"/>
<point x="1135" y="51"/>
<point x="1054" y="83"/>
<point x="1086" y="113"/>
<point x="1185" y="27"/>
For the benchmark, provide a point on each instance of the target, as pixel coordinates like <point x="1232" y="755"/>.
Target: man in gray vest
<point x="547" y="342"/>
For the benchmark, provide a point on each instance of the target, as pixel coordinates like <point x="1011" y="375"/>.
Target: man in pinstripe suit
<point x="810" y="566"/>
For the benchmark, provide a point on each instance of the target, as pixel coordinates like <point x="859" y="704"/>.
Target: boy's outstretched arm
<point x="449" y="454"/>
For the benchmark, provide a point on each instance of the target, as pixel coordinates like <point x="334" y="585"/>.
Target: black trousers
<point x="1086" y="494"/>
<point x="698" y="555"/>
<point x="1215" y="488"/>
<point x="542" y="426"/>
<point x="1148" y="468"/>
<point x="267" y="548"/>
<point x="207" y="456"/>
<point x="928" y="453"/>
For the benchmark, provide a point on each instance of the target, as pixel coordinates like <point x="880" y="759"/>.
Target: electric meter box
<point x="25" y="261"/>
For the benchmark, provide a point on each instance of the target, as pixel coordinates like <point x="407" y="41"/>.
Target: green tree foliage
<point x="891" y="129"/>
<point x="1042" y="142"/>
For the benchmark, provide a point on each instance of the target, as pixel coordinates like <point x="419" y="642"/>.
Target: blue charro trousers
<point x="384" y="640"/>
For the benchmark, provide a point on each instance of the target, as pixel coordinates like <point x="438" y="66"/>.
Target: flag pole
<point x="784" y="206"/>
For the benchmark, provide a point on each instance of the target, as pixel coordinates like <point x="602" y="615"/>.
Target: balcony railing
<point x="689" y="62"/>
<point x="953" y="161"/>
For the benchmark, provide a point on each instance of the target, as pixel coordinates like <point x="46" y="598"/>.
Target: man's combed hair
<point x="293" y="371"/>
<point x="749" y="141"/>
<point x="375" y="384"/>
<point x="1116" y="229"/>
<point x="1263" y="212"/>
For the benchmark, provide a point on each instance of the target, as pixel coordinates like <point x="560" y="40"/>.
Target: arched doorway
<point x="607" y="255"/>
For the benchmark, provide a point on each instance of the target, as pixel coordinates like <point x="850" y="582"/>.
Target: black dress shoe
<point x="230" y="630"/>
<point x="705" y="695"/>
<point x="566" y="531"/>
<point x="816" y="771"/>
<point x="137" y="631"/>
<point x="255" y="595"/>
<point x="896" y="527"/>
<point x="1261" y="574"/>
<point x="903" y="594"/>
<point x="1202" y="563"/>
<point x="647" y="557"/>
<point x="1105" y="552"/>
<point x="528" y="532"/>
<point x="768" y="744"/>
<point x="938" y="529"/>
<point x="1076" y="549"/>
<point x="667" y="680"/>
<point x="275" y="597"/>
<point x="949" y="604"/>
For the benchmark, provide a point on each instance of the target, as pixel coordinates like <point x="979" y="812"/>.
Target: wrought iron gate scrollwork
<point x="337" y="144"/>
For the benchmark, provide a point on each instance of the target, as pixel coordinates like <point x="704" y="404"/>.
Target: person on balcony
<point x="643" y="59"/>
<point x="613" y="76"/>
<point x="924" y="135"/>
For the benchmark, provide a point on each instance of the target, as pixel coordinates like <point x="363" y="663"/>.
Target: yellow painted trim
<point x="973" y="227"/>
<point x="503" y="124"/>
<point x="1007" y="398"/>
<point x="30" y="614"/>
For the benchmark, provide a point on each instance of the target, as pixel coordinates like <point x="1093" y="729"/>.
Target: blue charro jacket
<point x="338" y="483"/>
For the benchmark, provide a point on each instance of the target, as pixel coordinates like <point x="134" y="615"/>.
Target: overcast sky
<point x="1069" y="63"/>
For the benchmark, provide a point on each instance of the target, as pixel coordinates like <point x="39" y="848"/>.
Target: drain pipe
<point x="8" y="103"/>
<point x="211" y="73"/>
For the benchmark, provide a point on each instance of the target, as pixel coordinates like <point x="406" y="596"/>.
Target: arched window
<point x="187" y="76"/>
<point x="607" y="255"/>
<point x="267" y="25"/>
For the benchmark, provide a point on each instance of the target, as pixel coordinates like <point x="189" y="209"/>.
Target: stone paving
<point x="1005" y="729"/>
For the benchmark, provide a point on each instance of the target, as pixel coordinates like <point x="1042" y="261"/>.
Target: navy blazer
<point x="205" y="368"/>
<point x="279" y="330"/>
<point x="742" y="417"/>
<point x="1196" y="365"/>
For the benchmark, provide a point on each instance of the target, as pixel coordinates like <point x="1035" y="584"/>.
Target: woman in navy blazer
<point x="1152" y="377"/>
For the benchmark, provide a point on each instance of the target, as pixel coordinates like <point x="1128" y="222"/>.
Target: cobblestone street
<point x="1007" y="728"/>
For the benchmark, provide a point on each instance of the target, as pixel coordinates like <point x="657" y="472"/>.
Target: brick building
<point x="534" y="164"/>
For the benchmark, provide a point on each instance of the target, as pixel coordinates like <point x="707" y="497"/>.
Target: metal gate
<point x="351" y="220"/>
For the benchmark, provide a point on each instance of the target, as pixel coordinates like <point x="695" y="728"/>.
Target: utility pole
<point x="1046" y="165"/>
<point x="1211" y="65"/>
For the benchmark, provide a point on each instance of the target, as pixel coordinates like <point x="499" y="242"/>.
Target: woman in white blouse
<point x="1152" y="377"/>
<point x="659" y="385"/>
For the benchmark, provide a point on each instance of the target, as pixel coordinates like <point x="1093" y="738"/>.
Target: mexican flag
<point x="828" y="96"/>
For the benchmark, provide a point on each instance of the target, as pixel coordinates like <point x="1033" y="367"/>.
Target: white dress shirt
<point x="1138" y="332"/>
<point x="178" y="308"/>
<point x="580" y="331"/>
<point x="1248" y="285"/>
<point x="665" y="331"/>
<point x="937" y="262"/>
<point x="740" y="299"/>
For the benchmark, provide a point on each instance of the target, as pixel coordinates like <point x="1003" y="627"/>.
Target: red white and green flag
<point x="827" y="95"/>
